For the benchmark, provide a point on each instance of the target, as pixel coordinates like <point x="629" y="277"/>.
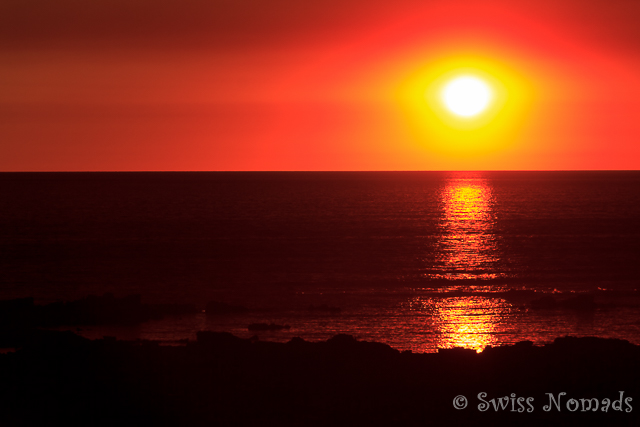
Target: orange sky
<point x="313" y="85"/>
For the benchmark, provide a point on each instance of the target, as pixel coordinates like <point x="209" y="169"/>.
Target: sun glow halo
<point x="467" y="96"/>
<point x="465" y="106"/>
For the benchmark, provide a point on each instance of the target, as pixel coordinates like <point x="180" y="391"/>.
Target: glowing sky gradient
<point x="313" y="85"/>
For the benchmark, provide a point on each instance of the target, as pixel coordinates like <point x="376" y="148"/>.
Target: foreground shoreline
<point x="58" y="378"/>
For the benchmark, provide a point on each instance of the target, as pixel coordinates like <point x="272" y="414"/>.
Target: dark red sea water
<point x="419" y="260"/>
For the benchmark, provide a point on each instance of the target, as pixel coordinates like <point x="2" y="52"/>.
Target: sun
<point x="467" y="96"/>
<point x="464" y="106"/>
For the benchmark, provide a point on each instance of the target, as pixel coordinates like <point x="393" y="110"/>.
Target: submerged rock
<point x="581" y="302"/>
<point x="267" y="327"/>
<point x="324" y="308"/>
<point x="219" y="307"/>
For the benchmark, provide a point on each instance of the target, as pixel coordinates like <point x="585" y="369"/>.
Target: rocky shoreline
<point x="60" y="378"/>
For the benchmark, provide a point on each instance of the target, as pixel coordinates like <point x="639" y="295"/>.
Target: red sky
<point x="309" y="85"/>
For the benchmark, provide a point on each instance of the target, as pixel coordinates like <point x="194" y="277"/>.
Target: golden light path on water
<point x="469" y="321"/>
<point x="467" y="250"/>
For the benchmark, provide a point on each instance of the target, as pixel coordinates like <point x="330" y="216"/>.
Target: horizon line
<point x="321" y="171"/>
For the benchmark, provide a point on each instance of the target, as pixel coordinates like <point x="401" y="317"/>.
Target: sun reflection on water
<point x="466" y="249"/>
<point x="463" y="321"/>
<point x="467" y="245"/>
<point x="469" y="322"/>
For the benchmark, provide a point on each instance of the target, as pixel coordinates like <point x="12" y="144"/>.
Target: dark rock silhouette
<point x="58" y="378"/>
<point x="457" y="352"/>
<point x="15" y="305"/>
<point x="17" y="313"/>
<point x="92" y="310"/>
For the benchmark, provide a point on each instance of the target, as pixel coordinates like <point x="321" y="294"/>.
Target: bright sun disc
<point x="466" y="96"/>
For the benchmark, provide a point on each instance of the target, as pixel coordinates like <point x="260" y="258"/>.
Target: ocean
<point x="417" y="260"/>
